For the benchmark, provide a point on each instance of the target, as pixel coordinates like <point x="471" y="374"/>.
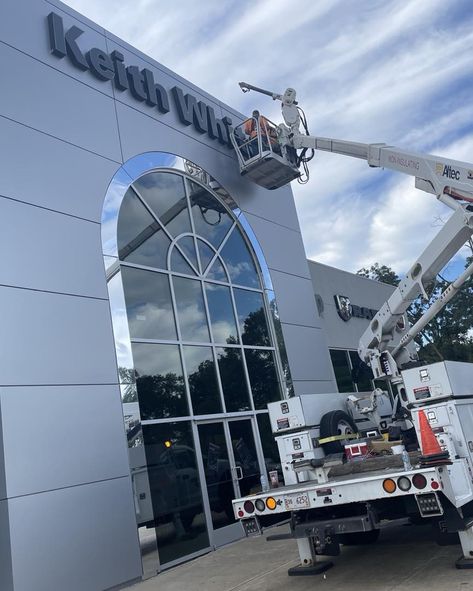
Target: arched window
<point x="201" y="340"/>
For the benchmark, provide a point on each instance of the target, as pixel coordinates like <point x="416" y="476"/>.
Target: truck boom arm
<point x="383" y="344"/>
<point x="449" y="180"/>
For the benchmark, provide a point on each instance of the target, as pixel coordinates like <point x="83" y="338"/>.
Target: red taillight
<point x="240" y="513"/>
<point x="419" y="481"/>
<point x="249" y="507"/>
<point x="435" y="485"/>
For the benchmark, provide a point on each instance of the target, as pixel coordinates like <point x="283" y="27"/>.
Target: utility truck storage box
<point x="303" y="411"/>
<point x="440" y="380"/>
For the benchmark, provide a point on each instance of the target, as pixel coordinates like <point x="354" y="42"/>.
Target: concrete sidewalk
<point x="404" y="559"/>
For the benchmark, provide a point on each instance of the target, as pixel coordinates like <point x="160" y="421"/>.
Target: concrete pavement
<point x="404" y="559"/>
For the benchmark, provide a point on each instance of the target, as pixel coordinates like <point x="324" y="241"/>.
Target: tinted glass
<point x="202" y="379"/>
<point x="206" y="254"/>
<point x="232" y="376"/>
<point x="362" y="374"/>
<point x="263" y="377"/>
<point x="217" y="272"/>
<point x="211" y="219"/>
<point x="251" y="317"/>
<point x="268" y="443"/>
<point x="191" y="313"/>
<point x="342" y="371"/>
<point x="159" y="381"/>
<point x="175" y="490"/>
<point x="239" y="261"/>
<point x="179" y="263"/>
<point x="217" y="473"/>
<point x="132" y="221"/>
<point x="244" y="450"/>
<point x="187" y="246"/>
<point x="222" y="317"/>
<point x="165" y="195"/>
<point x="148" y="304"/>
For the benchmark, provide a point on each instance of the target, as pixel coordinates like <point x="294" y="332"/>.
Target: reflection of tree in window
<point x="159" y="381"/>
<point x="202" y="379"/>
<point x="230" y="365"/>
<point x="252" y="317"/>
<point x="263" y="377"/>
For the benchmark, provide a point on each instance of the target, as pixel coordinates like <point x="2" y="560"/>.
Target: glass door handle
<point x="238" y="472"/>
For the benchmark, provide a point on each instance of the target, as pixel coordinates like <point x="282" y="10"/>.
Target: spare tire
<point x="335" y="422"/>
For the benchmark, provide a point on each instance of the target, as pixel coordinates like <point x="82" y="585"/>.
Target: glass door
<point x="231" y="469"/>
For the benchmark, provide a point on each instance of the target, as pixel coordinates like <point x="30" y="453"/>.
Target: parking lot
<point x="405" y="558"/>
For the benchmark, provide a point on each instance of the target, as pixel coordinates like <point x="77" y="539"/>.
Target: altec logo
<point x="447" y="170"/>
<point x="140" y="83"/>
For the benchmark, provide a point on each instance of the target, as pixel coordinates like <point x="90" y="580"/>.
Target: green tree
<point x="448" y="335"/>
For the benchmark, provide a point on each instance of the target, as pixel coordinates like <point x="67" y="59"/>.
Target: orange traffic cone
<point x="431" y="451"/>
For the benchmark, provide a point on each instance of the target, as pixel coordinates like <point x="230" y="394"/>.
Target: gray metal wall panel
<point x="44" y="99"/>
<point x="59" y="436"/>
<point x="301" y="388"/>
<point x="32" y="37"/>
<point x="61" y="253"/>
<point x="140" y="134"/>
<point x="307" y="353"/>
<point x="3" y="482"/>
<point x="40" y="169"/>
<point x="328" y="282"/>
<point x="168" y="81"/>
<point x="6" y="572"/>
<point x="296" y="305"/>
<point x="84" y="538"/>
<point x="283" y="248"/>
<point x="55" y="339"/>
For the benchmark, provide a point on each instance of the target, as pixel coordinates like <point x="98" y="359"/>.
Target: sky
<point x="398" y="72"/>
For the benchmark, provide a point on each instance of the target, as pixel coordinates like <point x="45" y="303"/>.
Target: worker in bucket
<point x="268" y="134"/>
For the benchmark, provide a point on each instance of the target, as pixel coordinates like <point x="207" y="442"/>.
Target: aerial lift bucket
<point x="260" y="156"/>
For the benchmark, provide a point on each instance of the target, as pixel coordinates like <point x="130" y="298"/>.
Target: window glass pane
<point x="148" y="304"/>
<point x="270" y="449"/>
<point x="211" y="219"/>
<point x="175" y="490"/>
<point x="179" y="263"/>
<point x="263" y="377"/>
<point x="217" y="473"/>
<point x="132" y="221"/>
<point x="159" y="381"/>
<point x="232" y="375"/>
<point x="239" y="261"/>
<point x="251" y="317"/>
<point x="202" y="379"/>
<point x="186" y="244"/>
<point x="222" y="317"/>
<point x="342" y="371"/>
<point x="206" y="254"/>
<point x="164" y="194"/>
<point x="244" y="450"/>
<point x="362" y="374"/>
<point x="190" y="310"/>
<point x="217" y="271"/>
<point x="149" y="248"/>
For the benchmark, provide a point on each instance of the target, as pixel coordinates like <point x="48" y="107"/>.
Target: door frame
<point x="228" y="533"/>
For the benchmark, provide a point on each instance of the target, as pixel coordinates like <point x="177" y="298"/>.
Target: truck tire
<point x="359" y="538"/>
<point x="335" y="422"/>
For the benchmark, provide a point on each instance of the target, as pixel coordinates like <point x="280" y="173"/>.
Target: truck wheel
<point x="335" y="422"/>
<point x="359" y="538"/>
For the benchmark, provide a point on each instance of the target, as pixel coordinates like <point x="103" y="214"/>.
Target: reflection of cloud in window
<point x="120" y="323"/>
<point x="193" y="323"/>
<point x="148" y="321"/>
<point x="240" y="272"/>
<point x="162" y="359"/>
<point x="224" y="332"/>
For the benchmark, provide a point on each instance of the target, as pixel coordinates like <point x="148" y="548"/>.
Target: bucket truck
<point x="337" y="488"/>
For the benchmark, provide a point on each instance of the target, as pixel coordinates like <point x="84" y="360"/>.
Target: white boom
<point x="383" y="344"/>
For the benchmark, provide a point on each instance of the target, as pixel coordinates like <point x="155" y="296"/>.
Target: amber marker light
<point x="389" y="485"/>
<point x="271" y="503"/>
